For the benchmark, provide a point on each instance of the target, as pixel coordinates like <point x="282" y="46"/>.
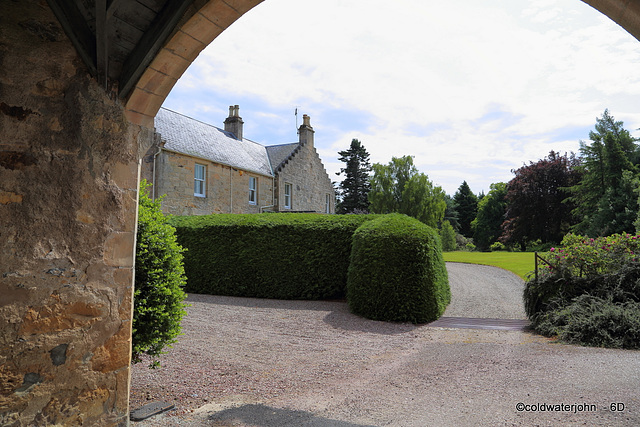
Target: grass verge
<point x="520" y="263"/>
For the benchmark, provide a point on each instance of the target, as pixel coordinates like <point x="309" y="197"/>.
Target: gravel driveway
<point x="252" y="362"/>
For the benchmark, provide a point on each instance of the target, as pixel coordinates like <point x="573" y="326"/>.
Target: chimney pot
<point x="234" y="122"/>
<point x="305" y="131"/>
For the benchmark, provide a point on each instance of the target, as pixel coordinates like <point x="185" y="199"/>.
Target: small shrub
<point x="397" y="272"/>
<point x="159" y="279"/>
<point x="462" y="242"/>
<point x="497" y="246"/>
<point x="447" y="236"/>
<point x="538" y="246"/>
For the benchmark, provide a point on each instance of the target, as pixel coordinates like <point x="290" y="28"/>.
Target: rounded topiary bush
<point x="397" y="272"/>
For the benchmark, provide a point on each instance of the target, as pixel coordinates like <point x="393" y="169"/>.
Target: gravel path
<point x="485" y="292"/>
<point x="252" y="362"/>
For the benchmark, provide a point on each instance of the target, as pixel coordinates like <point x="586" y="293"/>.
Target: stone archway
<point x="188" y="40"/>
<point x="69" y="167"/>
<point x="204" y="26"/>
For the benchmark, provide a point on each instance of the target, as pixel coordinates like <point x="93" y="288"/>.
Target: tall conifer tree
<point x="354" y="189"/>
<point x="467" y="207"/>
<point x="605" y="198"/>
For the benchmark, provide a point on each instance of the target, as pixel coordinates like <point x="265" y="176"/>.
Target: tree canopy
<point x="399" y="187"/>
<point x="354" y="189"/>
<point x="594" y="193"/>
<point x="535" y="201"/>
<point x="466" y="204"/>
<point x="488" y="222"/>
<point x="605" y="200"/>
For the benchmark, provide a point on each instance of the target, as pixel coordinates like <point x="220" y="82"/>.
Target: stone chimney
<point x="306" y="131"/>
<point x="234" y="122"/>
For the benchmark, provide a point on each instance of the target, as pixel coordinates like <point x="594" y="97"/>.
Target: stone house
<point x="201" y="169"/>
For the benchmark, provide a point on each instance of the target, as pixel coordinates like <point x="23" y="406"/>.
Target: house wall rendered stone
<point x="310" y="182"/>
<point x="68" y="202"/>
<point x="227" y="188"/>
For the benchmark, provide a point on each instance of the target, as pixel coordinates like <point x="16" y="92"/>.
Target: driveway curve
<point x="252" y="362"/>
<point x="484" y="292"/>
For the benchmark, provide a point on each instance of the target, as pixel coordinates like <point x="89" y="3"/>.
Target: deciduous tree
<point x="451" y="213"/>
<point x="491" y="214"/>
<point x="399" y="187"/>
<point x="536" y="208"/>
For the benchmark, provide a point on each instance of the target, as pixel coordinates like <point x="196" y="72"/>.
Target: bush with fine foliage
<point x="397" y="272"/>
<point x="159" y="279"/>
<point x="447" y="237"/>
<point x="281" y="256"/>
<point x="590" y="294"/>
<point x="593" y="321"/>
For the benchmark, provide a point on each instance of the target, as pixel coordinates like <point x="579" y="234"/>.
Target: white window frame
<point x="253" y="190"/>
<point x="327" y="204"/>
<point x="288" y="195"/>
<point x="200" y="183"/>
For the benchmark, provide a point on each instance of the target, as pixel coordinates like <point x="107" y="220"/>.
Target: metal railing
<point x="538" y="257"/>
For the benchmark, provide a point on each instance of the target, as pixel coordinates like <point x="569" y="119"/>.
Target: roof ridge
<point x="210" y="125"/>
<point x="193" y="137"/>
<point x="282" y="145"/>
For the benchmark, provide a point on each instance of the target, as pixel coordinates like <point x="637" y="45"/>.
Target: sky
<point x="472" y="89"/>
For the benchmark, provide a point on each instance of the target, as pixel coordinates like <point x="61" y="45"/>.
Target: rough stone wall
<point x="68" y="198"/>
<point x="310" y="182"/>
<point x="227" y="188"/>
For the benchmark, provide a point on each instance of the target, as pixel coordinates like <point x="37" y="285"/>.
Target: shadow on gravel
<point x="266" y="303"/>
<point x="265" y="416"/>
<point x="343" y="319"/>
<point x="338" y="316"/>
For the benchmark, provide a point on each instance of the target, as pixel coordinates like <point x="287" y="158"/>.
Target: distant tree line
<point x="594" y="193"/>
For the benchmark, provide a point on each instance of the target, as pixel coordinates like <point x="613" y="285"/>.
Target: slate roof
<point x="185" y="135"/>
<point x="279" y="154"/>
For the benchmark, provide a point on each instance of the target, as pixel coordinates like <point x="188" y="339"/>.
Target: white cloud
<point x="472" y="89"/>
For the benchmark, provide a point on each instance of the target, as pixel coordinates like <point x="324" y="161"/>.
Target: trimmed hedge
<point x="397" y="272"/>
<point x="281" y="256"/>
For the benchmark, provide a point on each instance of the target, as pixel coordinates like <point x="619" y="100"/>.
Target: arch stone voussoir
<point x="625" y="13"/>
<point x="179" y="52"/>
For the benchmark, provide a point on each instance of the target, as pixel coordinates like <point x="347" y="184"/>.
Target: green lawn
<point x="520" y="263"/>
